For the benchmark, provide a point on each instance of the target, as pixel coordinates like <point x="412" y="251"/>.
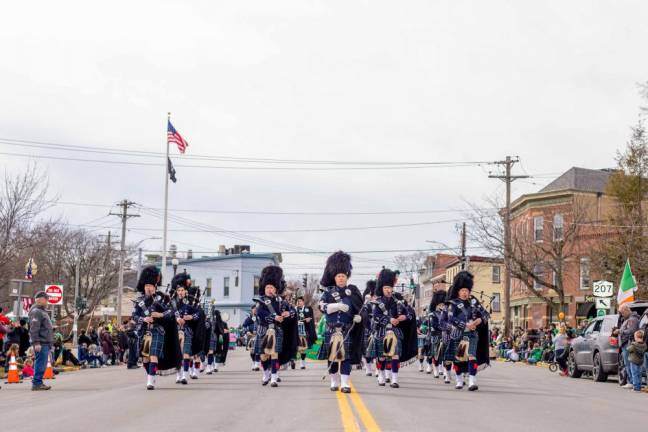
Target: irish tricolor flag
<point x="627" y="286"/>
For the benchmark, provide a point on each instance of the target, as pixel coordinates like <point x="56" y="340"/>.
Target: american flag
<point x="29" y="270"/>
<point x="174" y="137"/>
<point x="27" y="303"/>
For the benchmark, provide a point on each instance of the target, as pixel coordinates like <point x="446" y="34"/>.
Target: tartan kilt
<point x="377" y="347"/>
<point x="188" y="339"/>
<point x="261" y="332"/>
<point x="213" y="342"/>
<point x="326" y="344"/>
<point x="365" y="340"/>
<point x="435" y="344"/>
<point x="454" y="344"/>
<point x="157" y="343"/>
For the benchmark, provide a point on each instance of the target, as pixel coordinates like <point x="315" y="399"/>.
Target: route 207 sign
<point x="603" y="289"/>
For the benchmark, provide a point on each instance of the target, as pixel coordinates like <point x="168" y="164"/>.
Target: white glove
<point x="357" y="319"/>
<point x="336" y="307"/>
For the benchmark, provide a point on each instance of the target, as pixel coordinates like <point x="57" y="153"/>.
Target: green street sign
<point x="601" y="312"/>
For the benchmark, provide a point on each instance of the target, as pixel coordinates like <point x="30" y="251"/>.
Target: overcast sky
<point x="552" y="82"/>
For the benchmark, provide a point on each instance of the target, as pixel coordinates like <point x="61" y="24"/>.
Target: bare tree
<point x="410" y="265"/>
<point x="540" y="264"/>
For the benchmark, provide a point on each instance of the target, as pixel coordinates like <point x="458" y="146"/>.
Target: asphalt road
<point x="511" y="398"/>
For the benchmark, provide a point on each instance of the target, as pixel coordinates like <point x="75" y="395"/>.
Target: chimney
<point x="221" y="250"/>
<point x="189" y="254"/>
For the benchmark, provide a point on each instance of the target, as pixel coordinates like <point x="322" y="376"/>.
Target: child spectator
<point x="636" y="351"/>
<point x="28" y="369"/>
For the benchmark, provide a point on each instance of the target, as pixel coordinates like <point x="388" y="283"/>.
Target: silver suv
<point x="597" y="351"/>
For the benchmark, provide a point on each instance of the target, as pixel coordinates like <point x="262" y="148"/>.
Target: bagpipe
<point x="269" y="339"/>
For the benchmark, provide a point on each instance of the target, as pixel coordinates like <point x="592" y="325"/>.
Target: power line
<point x="141" y="153"/>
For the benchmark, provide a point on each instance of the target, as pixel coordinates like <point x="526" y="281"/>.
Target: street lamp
<point x="174" y="263"/>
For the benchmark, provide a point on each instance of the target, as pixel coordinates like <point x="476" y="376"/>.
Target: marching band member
<point x="467" y="322"/>
<point x="271" y="314"/>
<point x="249" y="327"/>
<point x="218" y="342"/>
<point x="436" y="312"/>
<point x="366" y="313"/>
<point x="341" y="304"/>
<point x="386" y="337"/>
<point x="156" y="326"/>
<point x="187" y="316"/>
<point x="306" y="329"/>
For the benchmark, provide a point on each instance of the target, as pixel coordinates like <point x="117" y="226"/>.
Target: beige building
<point x="489" y="282"/>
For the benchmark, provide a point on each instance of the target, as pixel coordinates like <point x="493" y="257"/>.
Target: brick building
<point x="564" y="219"/>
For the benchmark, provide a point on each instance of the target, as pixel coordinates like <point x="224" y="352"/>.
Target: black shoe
<point x="274" y="384"/>
<point x="41" y="387"/>
<point x="335" y="388"/>
<point x="303" y="367"/>
<point x="473" y="387"/>
<point x="381" y="384"/>
<point x="133" y="367"/>
<point x="292" y="365"/>
<point x="346" y="390"/>
<point x="265" y="383"/>
<point x="278" y="379"/>
<point x="394" y="385"/>
<point x="184" y="381"/>
<point x="209" y="373"/>
<point x="150" y="387"/>
<point x="387" y="380"/>
<point x="194" y="377"/>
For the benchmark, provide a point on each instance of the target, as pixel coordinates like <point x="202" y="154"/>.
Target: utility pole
<point x="463" y="246"/>
<point x="507" y="179"/>
<point x="77" y="274"/>
<point x="123" y="215"/>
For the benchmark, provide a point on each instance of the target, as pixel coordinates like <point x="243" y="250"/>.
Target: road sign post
<point x="54" y="294"/>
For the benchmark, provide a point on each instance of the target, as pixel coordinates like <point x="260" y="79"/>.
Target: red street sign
<point x="54" y="294"/>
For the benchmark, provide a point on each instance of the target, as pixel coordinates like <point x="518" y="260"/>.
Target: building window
<point x="558" y="227"/>
<point x="496" y="305"/>
<point x="538" y="228"/>
<point x="584" y="273"/>
<point x="497" y="274"/>
<point x="538" y="271"/>
<point x="208" y="287"/>
<point x="257" y="281"/>
<point x="226" y="286"/>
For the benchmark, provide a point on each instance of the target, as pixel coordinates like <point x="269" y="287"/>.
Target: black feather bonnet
<point x="150" y="275"/>
<point x="463" y="279"/>
<point x="337" y="263"/>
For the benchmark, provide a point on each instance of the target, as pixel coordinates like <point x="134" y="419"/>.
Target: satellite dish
<point x="225" y="317"/>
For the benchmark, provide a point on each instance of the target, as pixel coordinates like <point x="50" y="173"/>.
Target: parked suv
<point x="597" y="351"/>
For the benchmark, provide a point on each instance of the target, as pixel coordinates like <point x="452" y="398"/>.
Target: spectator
<point x="95" y="356"/>
<point x="107" y="346"/>
<point x="133" y="345"/>
<point x="629" y="325"/>
<point x="28" y="369"/>
<point x="636" y="351"/>
<point x="4" y="324"/>
<point x="94" y="337"/>
<point x="561" y="342"/>
<point x="535" y="355"/>
<point x="122" y="340"/>
<point x="42" y="337"/>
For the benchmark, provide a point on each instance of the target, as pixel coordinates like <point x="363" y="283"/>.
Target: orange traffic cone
<point x="13" y="376"/>
<point x="49" y="372"/>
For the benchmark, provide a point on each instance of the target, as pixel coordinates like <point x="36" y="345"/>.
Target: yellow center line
<point x="346" y="413"/>
<point x="366" y="417"/>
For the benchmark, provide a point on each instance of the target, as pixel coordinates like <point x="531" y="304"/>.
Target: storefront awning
<point x="585" y="310"/>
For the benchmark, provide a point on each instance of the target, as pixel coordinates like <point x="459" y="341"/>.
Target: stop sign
<point x="54" y="294"/>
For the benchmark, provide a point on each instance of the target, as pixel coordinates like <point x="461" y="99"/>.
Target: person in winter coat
<point x="107" y="346"/>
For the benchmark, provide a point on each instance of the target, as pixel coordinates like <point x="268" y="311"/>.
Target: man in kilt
<point x="305" y="328"/>
<point x="271" y="312"/>
<point x="218" y="341"/>
<point x="186" y="315"/>
<point x="366" y="312"/>
<point x="386" y="341"/>
<point x="250" y="329"/>
<point x="153" y="316"/>
<point x="341" y="304"/>
<point x="436" y="353"/>
<point x="467" y="322"/>
<point x="423" y="339"/>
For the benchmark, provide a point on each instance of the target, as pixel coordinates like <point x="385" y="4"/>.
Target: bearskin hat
<point x="370" y="289"/>
<point x="386" y="277"/>
<point x="463" y="279"/>
<point x="150" y="275"/>
<point x="180" y="280"/>
<point x="437" y="298"/>
<point x="337" y="263"/>
<point x="271" y="275"/>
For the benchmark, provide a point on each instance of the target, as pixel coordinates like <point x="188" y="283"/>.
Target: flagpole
<point x="166" y="207"/>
